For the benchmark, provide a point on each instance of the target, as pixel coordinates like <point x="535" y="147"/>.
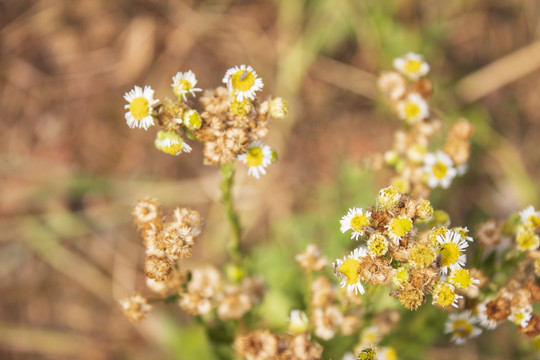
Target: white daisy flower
<point x="184" y="83"/>
<point x="243" y="82"/>
<point x="399" y="227"/>
<point x="355" y="220"/>
<point x="412" y="65"/>
<point x="521" y="316"/>
<point x="439" y="169"/>
<point x="171" y="143"/>
<point x="444" y="295"/>
<point x="461" y="326"/>
<point x="413" y="108"/>
<point x="530" y="217"/>
<point x="257" y="157"/>
<point x="450" y="248"/>
<point x="139" y="114"/>
<point x="347" y="270"/>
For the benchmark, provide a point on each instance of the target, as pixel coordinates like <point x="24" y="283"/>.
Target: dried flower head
<point x="135" y="307"/>
<point x="489" y="233"/>
<point x="392" y="84"/>
<point x="312" y="259"/>
<point x="146" y="211"/>
<point x="258" y="345"/>
<point x="326" y="321"/>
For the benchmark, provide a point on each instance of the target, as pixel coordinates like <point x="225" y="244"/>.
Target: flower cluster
<point x="264" y="345"/>
<point x="230" y="122"/>
<point x="167" y="239"/>
<point x="419" y="170"/>
<point x="514" y="300"/>
<point x="418" y="263"/>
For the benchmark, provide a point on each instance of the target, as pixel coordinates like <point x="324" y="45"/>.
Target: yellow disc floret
<point x="527" y="240"/>
<point x="460" y="278"/>
<point x="450" y="253"/>
<point x="422" y="255"/>
<point x="139" y="108"/>
<point x="242" y="80"/>
<point x="444" y="294"/>
<point x="349" y="268"/>
<point x="377" y="245"/>
<point x="254" y="156"/>
<point x="412" y="66"/>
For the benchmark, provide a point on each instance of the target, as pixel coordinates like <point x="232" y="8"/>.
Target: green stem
<point x="233" y="247"/>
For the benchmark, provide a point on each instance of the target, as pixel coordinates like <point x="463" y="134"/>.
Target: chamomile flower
<point x="439" y="169"/>
<point x="171" y="143"/>
<point x="370" y="336"/>
<point x="444" y="295"/>
<point x="368" y="353"/>
<point x="530" y="217"/>
<point x="184" y="84"/>
<point x="257" y="157"/>
<point x="450" y="248"/>
<point x="399" y="227"/>
<point x="347" y="270"/>
<point x="464" y="232"/>
<point x="355" y="220"/>
<point x="192" y="119"/>
<point x="298" y="322"/>
<point x="413" y="108"/>
<point x="377" y="245"/>
<point x="527" y="240"/>
<point x="388" y="197"/>
<point x="411" y="65"/>
<point x="521" y="316"/>
<point x="461" y="279"/>
<point x="139" y="114"/>
<point x="242" y="82"/>
<point x="387" y="353"/>
<point x="462" y="327"/>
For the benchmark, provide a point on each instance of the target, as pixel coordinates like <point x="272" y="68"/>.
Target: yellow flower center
<point x="172" y="149"/>
<point x="358" y="221"/>
<point x="402" y="275"/>
<point x="533" y="221"/>
<point x="241" y="108"/>
<point x="254" y="157"/>
<point x="184" y="85"/>
<point x="461" y="278"/>
<point x="377" y="245"/>
<point x="400" y="226"/>
<point x="138" y="108"/>
<point x="445" y="295"/>
<point x="413" y="66"/>
<point x="243" y="80"/>
<point x="412" y="110"/>
<point x="439" y="170"/>
<point x="422" y="255"/>
<point x="367" y="354"/>
<point x="527" y="240"/>
<point x="449" y="253"/>
<point x="437" y="231"/>
<point x="349" y="268"/>
<point x="462" y="328"/>
<point x="192" y="119"/>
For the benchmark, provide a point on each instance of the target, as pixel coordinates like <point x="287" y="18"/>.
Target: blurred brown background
<point x="71" y="168"/>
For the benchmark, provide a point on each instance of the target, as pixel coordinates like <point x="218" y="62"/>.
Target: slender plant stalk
<point x="233" y="247"/>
